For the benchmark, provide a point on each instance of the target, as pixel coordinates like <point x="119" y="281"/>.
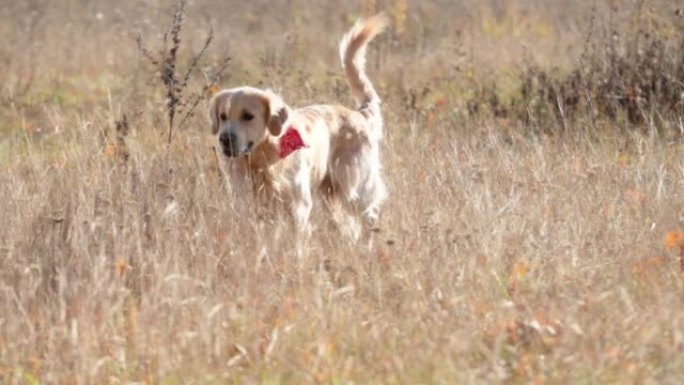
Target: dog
<point x="284" y="156"/>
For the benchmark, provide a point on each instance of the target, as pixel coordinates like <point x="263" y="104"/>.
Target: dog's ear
<point x="215" y="103"/>
<point x="277" y="113"/>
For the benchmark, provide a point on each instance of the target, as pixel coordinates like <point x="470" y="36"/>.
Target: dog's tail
<point x="353" y="54"/>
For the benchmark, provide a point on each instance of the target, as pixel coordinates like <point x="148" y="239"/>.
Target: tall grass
<point x="510" y="251"/>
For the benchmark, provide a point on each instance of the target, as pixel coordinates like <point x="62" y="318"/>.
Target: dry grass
<point x="504" y="257"/>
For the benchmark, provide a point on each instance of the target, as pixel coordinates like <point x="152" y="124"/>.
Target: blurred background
<point x="470" y="55"/>
<point x="534" y="232"/>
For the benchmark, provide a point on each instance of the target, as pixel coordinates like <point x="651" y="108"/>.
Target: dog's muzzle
<point x="229" y="144"/>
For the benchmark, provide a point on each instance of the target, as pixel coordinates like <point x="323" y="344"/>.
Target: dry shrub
<point x="166" y="63"/>
<point x="630" y="75"/>
<point x="502" y="257"/>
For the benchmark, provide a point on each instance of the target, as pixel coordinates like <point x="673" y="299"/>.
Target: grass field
<point x="534" y="232"/>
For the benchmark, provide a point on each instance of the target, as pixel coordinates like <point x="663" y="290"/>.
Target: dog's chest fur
<point x="274" y="179"/>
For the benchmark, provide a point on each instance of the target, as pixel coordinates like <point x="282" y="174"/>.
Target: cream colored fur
<point x="342" y="160"/>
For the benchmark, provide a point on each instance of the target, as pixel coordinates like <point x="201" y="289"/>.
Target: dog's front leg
<point x="240" y="191"/>
<point x="300" y="209"/>
<point x="300" y="212"/>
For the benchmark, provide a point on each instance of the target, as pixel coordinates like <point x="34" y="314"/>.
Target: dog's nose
<point x="227" y="139"/>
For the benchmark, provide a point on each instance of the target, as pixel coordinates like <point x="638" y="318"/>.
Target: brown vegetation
<point x="534" y="232"/>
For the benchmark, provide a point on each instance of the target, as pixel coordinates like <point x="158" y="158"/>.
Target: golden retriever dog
<point x="281" y="155"/>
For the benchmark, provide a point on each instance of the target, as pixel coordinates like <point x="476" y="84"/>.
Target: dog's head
<point x="244" y="117"/>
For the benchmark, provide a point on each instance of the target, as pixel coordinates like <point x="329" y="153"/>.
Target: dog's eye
<point x="223" y="116"/>
<point x="246" y="116"/>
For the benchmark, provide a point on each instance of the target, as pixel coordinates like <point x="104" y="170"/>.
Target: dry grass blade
<point x="533" y="232"/>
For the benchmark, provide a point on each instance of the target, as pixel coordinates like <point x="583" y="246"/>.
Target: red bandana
<point x="290" y="142"/>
